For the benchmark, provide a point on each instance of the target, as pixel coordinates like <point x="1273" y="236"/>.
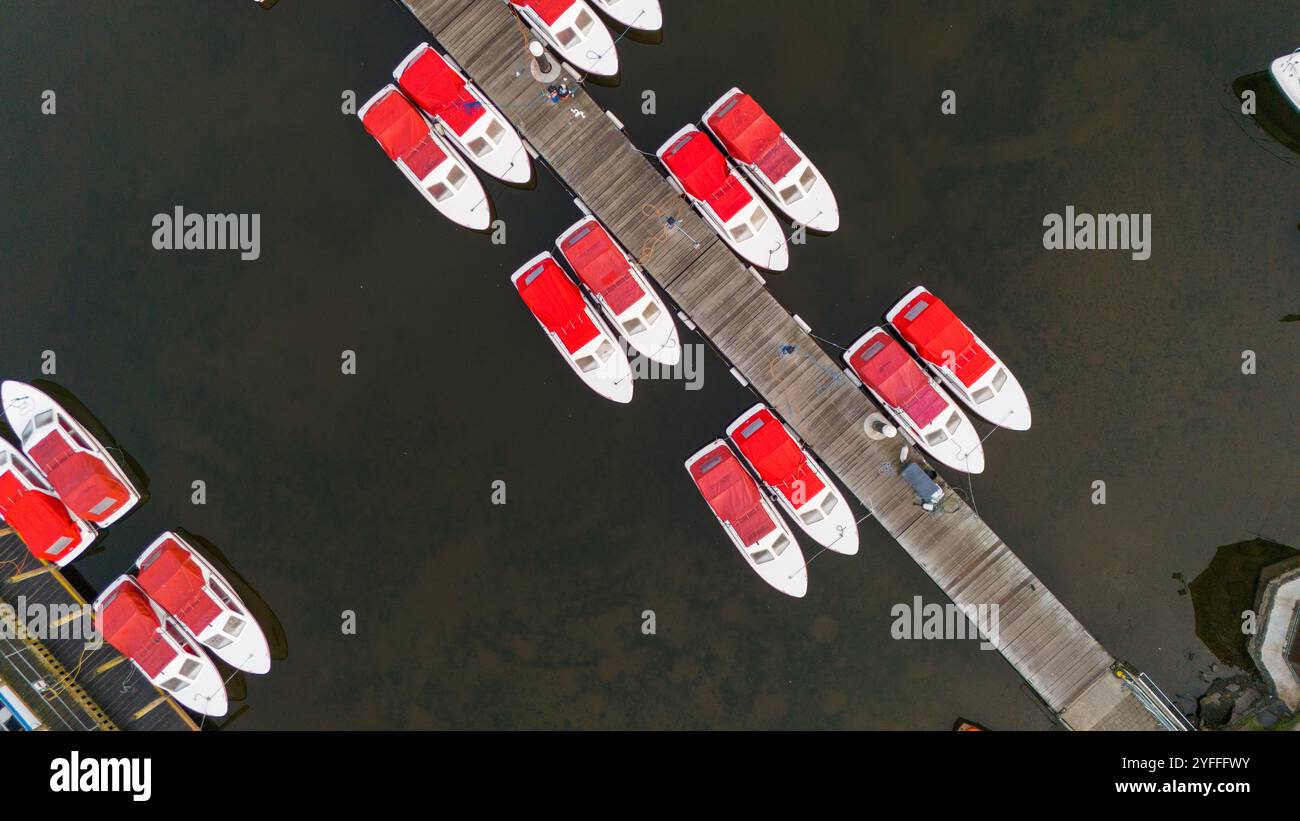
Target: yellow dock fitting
<point x="31" y="574"/>
<point x="144" y="711"/>
<point x="109" y="665"/>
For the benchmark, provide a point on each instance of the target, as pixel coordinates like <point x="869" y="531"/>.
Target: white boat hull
<point x="469" y="206"/>
<point x="836" y="531"/>
<point x="766" y="248"/>
<point x="1009" y="406"/>
<point x="508" y="160"/>
<point x="611" y="379"/>
<point x="249" y="652"/>
<point x="817" y="208"/>
<point x="22" y="402"/>
<point x="961" y="450"/>
<point x="592" y="53"/>
<point x="659" y="340"/>
<point x="206" y="692"/>
<point x="1286" y="73"/>
<point x="787" y="572"/>
<point x="641" y="15"/>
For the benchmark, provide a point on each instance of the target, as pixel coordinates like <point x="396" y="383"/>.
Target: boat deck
<point x="66" y="685"/>
<point x="1041" y="639"/>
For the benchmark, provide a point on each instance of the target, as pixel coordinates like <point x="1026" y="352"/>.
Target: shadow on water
<point x="1273" y="111"/>
<point x="1225" y="590"/>
<point x="257" y="606"/>
<point x="83" y="415"/>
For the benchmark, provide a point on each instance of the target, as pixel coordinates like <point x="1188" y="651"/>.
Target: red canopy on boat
<point x="732" y="494"/>
<point x="130" y="625"/>
<point x="82" y="480"/>
<point x="777" y="457"/>
<point x="438" y="89"/>
<point x="884" y="365"/>
<point x="556" y="301"/>
<point x="39" y="519"/>
<point x="173" y="578"/>
<point x="404" y="134"/>
<point x="940" y="337"/>
<point x="548" y="10"/>
<point x="395" y="124"/>
<point x="752" y="137"/>
<point x="703" y="172"/>
<point x="602" y="266"/>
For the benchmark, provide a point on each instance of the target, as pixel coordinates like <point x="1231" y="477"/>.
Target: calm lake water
<point x="371" y="493"/>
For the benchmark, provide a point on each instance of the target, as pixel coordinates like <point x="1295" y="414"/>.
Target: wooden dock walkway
<point x="1056" y="655"/>
<point x="68" y="686"/>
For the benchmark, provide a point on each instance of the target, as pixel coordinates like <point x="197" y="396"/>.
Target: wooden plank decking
<point x="1040" y="638"/>
<point x="81" y="690"/>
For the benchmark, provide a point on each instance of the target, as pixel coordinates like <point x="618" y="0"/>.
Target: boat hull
<point x="613" y="378"/>
<point x="469" y="207"/>
<point x="961" y="450"/>
<point x="766" y="248"/>
<point x="816" y="209"/>
<point x="508" y="161"/>
<point x="658" y="342"/>
<point x="23" y="402"/>
<point x="206" y="692"/>
<point x="787" y="572"/>
<point x="1008" y="408"/>
<point x="593" y="54"/>
<point x="1285" y="71"/>
<point x="641" y="15"/>
<point x="250" y="652"/>
<point x="836" y="531"/>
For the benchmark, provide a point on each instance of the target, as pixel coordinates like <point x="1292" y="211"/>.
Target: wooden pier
<point x="1069" y="670"/>
<point x="66" y="684"/>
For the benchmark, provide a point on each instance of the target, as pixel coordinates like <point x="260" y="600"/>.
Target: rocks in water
<point x="1214" y="710"/>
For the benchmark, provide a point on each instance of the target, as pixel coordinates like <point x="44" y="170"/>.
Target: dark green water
<point x="371" y="492"/>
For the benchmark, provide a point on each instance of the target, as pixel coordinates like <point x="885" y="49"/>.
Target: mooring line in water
<point x="804" y="568"/>
<point x="1232" y="115"/>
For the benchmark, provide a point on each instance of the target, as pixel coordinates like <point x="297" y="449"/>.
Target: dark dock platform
<point x="1069" y="669"/>
<point x="65" y="684"/>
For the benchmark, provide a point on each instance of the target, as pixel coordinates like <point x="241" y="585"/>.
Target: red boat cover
<point x="703" y="172"/>
<point x="439" y="90"/>
<point x="778" y="458"/>
<point x="82" y="480"/>
<point x="732" y="494"/>
<point x="130" y="625"/>
<point x="548" y="10"/>
<point x="601" y="265"/>
<point x="404" y="134"/>
<point x="556" y="301"/>
<point x="39" y="519"/>
<point x="893" y="374"/>
<point x="175" y="580"/>
<point x="937" y="333"/>
<point x="753" y="137"/>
